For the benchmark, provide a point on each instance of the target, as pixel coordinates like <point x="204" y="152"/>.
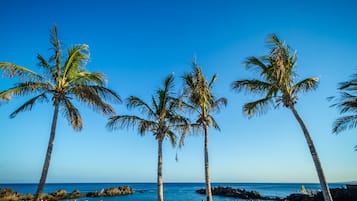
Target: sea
<point x="172" y="191"/>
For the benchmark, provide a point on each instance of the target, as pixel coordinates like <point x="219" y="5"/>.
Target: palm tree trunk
<point x="49" y="152"/>
<point x="325" y="189"/>
<point x="207" y="174"/>
<point x="160" y="191"/>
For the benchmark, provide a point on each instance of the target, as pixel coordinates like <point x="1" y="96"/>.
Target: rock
<point x="236" y="193"/>
<point x="7" y="194"/>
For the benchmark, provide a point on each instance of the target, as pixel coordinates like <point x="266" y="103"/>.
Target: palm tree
<point x="161" y="119"/>
<point x="346" y="103"/>
<point x="279" y="87"/>
<point x="203" y="102"/>
<point x="63" y="82"/>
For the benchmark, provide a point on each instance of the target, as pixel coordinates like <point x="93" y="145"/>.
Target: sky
<point x="137" y="44"/>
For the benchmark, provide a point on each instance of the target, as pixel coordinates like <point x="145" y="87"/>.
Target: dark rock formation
<point x="338" y="194"/>
<point x="7" y="194"/>
<point x="237" y="193"/>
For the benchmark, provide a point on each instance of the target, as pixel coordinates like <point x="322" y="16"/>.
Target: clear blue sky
<point x="137" y="43"/>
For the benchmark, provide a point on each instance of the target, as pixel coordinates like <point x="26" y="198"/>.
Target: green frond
<point x="87" y="78"/>
<point x="92" y="96"/>
<point x="344" y="123"/>
<point x="25" y="88"/>
<point x="346" y="103"/>
<point x="77" y="57"/>
<point x="255" y="63"/>
<point x="258" y="107"/>
<point x="172" y="137"/>
<point x="49" y="70"/>
<point x="213" y="79"/>
<point x="218" y="104"/>
<point x="135" y="102"/>
<point x="56" y="58"/>
<point x="27" y="106"/>
<point x="124" y="121"/>
<point x="306" y="85"/>
<point x="214" y="123"/>
<point x="251" y="86"/>
<point x="72" y="114"/>
<point x="11" y="70"/>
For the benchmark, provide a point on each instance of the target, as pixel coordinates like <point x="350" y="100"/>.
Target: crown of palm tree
<point x="161" y="118"/>
<point x="278" y="83"/>
<point x="62" y="81"/>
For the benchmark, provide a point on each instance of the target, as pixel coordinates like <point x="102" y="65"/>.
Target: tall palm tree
<point x="203" y="102"/>
<point x="62" y="82"/>
<point x="161" y="118"/>
<point x="346" y="103"/>
<point x="279" y="87"/>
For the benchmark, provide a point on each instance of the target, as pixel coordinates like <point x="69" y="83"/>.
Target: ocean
<point x="172" y="191"/>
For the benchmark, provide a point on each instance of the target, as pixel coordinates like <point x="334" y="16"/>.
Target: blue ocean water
<point x="172" y="191"/>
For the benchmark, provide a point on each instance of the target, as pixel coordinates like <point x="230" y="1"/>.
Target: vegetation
<point x="62" y="82"/>
<point x="346" y="103"/>
<point x="278" y="86"/>
<point x="202" y="101"/>
<point x="161" y="119"/>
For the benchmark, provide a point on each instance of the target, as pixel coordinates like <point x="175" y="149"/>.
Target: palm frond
<point x="25" y="88"/>
<point x="56" y="58"/>
<point x="172" y="137"/>
<point x="252" y="86"/>
<point x="50" y="70"/>
<point x="346" y="102"/>
<point x="218" y="104"/>
<point x="306" y="85"/>
<point x="11" y="70"/>
<point x="77" y="57"/>
<point x="72" y="114"/>
<point x="135" y="102"/>
<point x="125" y="121"/>
<point x="258" y="107"/>
<point x="28" y="104"/>
<point x="343" y="123"/>
<point x="257" y="64"/>
<point x="87" y="78"/>
<point x="214" y="123"/>
<point x="92" y="96"/>
<point x="213" y="79"/>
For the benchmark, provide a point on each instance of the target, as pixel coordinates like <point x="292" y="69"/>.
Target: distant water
<point x="172" y="191"/>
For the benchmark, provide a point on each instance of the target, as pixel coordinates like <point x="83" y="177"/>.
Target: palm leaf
<point x="258" y="107"/>
<point x="343" y="123"/>
<point x="92" y="96"/>
<point x="25" y="88"/>
<point x="253" y="86"/>
<point x="28" y="104"/>
<point x="72" y="114"/>
<point x="306" y="85"/>
<point x="11" y="70"/>
<point x="135" y="102"/>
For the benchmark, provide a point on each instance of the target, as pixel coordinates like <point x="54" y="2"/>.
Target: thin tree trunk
<point x="207" y="174"/>
<point x="160" y="191"/>
<point x="48" y="153"/>
<point x="324" y="186"/>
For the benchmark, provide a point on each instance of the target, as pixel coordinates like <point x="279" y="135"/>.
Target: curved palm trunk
<point x="325" y="189"/>
<point x="160" y="190"/>
<point x="207" y="174"/>
<point x="48" y="154"/>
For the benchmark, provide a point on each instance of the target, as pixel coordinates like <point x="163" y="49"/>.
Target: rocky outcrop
<point x="7" y="194"/>
<point x="338" y="194"/>
<point x="237" y="193"/>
